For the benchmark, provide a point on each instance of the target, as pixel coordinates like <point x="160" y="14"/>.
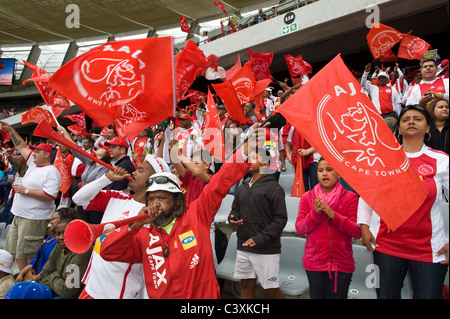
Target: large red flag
<point x="38" y="114"/>
<point x="40" y="77"/>
<point x="297" y="66"/>
<point x="130" y="80"/>
<point x="381" y="38"/>
<point x="213" y="135"/>
<point x="388" y="56"/>
<point x="234" y="69"/>
<point x="229" y="97"/>
<point x="412" y="48"/>
<point x="184" y="25"/>
<point x="338" y="119"/>
<point x="220" y="5"/>
<point x="189" y="63"/>
<point x="261" y="64"/>
<point x="237" y="91"/>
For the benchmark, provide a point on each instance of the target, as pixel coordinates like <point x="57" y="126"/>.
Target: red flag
<point x="261" y="64"/>
<point x="130" y="80"/>
<point x="213" y="135"/>
<point x="220" y="5"/>
<point x="194" y="95"/>
<point x="78" y="119"/>
<point x="412" y="48"/>
<point x="381" y="38"/>
<point x="184" y="25"/>
<point x="297" y="66"/>
<point x="258" y="98"/>
<point x="335" y="115"/>
<point x="388" y="56"/>
<point x="75" y="129"/>
<point x="298" y="188"/>
<point x="37" y="115"/>
<point x="40" y="77"/>
<point x="240" y="89"/>
<point x="64" y="167"/>
<point x="234" y="69"/>
<point x="6" y="137"/>
<point x="244" y="83"/>
<point x="229" y="97"/>
<point x="188" y="64"/>
<point x="237" y="91"/>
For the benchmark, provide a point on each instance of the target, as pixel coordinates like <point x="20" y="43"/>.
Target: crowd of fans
<point x="44" y="186"/>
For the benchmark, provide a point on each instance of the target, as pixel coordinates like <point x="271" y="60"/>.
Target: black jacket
<point x="439" y="140"/>
<point x="263" y="210"/>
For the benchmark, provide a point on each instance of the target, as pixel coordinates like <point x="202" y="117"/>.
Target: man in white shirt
<point x="430" y="88"/>
<point x="385" y="98"/>
<point x="34" y="197"/>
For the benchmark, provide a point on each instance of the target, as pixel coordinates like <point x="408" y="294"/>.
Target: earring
<point x="428" y="136"/>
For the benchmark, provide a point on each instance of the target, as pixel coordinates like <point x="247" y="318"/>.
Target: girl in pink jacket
<point x="327" y="215"/>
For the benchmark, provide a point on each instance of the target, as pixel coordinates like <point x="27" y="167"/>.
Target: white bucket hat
<point x="158" y="164"/>
<point x="164" y="182"/>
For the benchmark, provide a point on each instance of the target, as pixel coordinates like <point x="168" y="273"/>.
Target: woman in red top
<point x="327" y="215"/>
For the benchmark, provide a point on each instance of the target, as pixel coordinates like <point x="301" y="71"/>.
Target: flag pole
<point x="248" y="136"/>
<point x="51" y="112"/>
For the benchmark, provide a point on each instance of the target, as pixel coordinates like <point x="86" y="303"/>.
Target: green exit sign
<point x="289" y="28"/>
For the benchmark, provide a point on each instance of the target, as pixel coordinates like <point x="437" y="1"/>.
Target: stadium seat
<point x="292" y="204"/>
<point x="224" y="210"/>
<point x="225" y="269"/>
<point x="365" y="276"/>
<point x="286" y="181"/>
<point x="358" y="288"/>
<point x="293" y="278"/>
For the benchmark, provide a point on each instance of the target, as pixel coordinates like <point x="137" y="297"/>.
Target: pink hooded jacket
<point x="329" y="241"/>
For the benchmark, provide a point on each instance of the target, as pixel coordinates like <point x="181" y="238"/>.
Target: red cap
<point x="105" y="147"/>
<point x="43" y="146"/>
<point x="117" y="141"/>
<point x="186" y="117"/>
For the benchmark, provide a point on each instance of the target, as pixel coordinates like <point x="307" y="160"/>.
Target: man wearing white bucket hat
<point x="176" y="250"/>
<point x="116" y="280"/>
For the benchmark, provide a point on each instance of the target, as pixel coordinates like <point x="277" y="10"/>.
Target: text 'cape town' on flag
<point x="130" y="82"/>
<point x="338" y="119"/>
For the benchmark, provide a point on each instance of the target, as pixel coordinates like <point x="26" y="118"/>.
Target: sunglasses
<point x="160" y="180"/>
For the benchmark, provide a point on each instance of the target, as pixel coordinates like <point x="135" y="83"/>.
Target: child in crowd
<point x="63" y="271"/>
<point x="259" y="212"/>
<point x="327" y="215"/>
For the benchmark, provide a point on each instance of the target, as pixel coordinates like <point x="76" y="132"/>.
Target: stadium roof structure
<point x="44" y="21"/>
